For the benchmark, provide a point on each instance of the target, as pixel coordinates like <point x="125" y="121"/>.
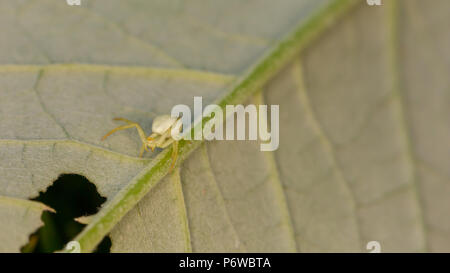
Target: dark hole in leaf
<point x="71" y="196"/>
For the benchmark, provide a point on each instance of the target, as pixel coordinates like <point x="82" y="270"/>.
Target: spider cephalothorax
<point x="161" y="136"/>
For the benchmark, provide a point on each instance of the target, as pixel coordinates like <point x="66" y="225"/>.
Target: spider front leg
<point x="131" y="124"/>
<point x="143" y="148"/>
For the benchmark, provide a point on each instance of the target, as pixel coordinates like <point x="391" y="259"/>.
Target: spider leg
<point x="165" y="143"/>
<point x="174" y="155"/>
<point x="143" y="148"/>
<point x="131" y="124"/>
<point x="164" y="140"/>
<point x="150" y="141"/>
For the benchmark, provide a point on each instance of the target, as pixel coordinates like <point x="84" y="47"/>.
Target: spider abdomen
<point x="163" y="123"/>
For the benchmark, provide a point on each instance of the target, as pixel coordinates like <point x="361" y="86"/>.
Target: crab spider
<point x="161" y="134"/>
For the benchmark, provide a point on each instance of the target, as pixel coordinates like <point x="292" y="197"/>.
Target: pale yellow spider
<point x="161" y="136"/>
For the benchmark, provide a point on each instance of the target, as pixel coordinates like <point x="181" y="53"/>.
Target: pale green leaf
<point x="364" y="127"/>
<point x="19" y="219"/>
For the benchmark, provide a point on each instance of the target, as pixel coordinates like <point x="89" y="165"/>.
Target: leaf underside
<point x="364" y="122"/>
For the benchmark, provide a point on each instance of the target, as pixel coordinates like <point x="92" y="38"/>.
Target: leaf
<point x="363" y="151"/>
<point x="254" y="79"/>
<point x="22" y="218"/>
